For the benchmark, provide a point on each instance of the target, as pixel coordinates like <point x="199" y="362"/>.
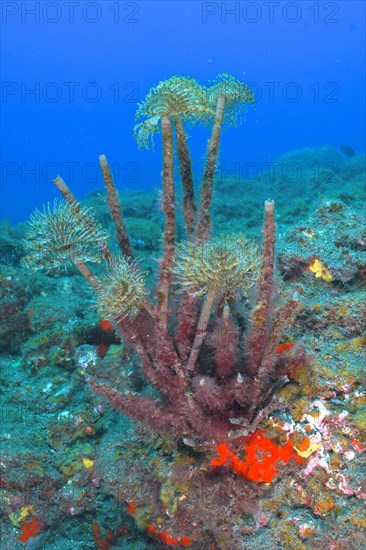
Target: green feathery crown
<point x="237" y="95"/>
<point x="121" y="292"/>
<point x="61" y="234"/>
<point x="227" y="265"/>
<point x="178" y="96"/>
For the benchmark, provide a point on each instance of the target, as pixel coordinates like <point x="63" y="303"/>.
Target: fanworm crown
<point x="226" y="265"/>
<point x="61" y="234"/>
<point x="235" y="93"/>
<point x="177" y="96"/>
<point x="121" y="292"/>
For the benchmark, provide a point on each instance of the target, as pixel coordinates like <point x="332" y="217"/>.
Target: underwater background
<point x="72" y="76"/>
<point x="76" y="474"/>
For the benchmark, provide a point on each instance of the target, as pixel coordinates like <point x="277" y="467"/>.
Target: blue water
<point x="73" y="73"/>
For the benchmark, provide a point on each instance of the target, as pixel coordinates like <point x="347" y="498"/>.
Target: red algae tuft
<point x="167" y="538"/>
<point x="286" y="346"/>
<point x="106" y="325"/>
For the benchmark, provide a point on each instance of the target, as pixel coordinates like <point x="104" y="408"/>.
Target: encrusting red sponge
<point x="262" y="456"/>
<point x="30" y="529"/>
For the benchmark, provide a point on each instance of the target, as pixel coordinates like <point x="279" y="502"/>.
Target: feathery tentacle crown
<point x="121" y="292"/>
<point x="227" y="265"/>
<point x="177" y="96"/>
<point x="236" y="95"/>
<point x="61" y="234"/>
